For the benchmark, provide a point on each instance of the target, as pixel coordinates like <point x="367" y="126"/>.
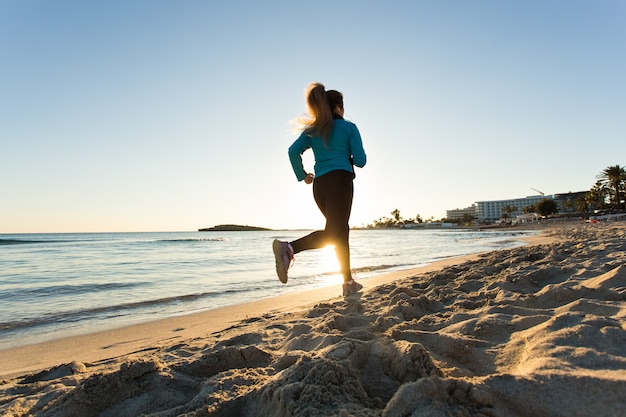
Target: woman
<point x="337" y="147"/>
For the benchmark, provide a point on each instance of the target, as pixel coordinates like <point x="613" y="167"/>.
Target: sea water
<point x="57" y="285"/>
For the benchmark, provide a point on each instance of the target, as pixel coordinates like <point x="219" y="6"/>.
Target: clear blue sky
<point x="174" y="115"/>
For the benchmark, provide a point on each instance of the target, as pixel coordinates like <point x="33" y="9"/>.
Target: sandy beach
<point x="533" y="331"/>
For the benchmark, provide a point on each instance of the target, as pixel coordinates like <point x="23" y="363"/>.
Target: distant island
<point x="232" y="228"/>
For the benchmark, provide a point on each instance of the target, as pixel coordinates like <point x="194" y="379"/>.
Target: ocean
<point x="57" y="285"/>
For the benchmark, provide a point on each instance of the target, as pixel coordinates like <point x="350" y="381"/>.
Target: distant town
<point x="604" y="201"/>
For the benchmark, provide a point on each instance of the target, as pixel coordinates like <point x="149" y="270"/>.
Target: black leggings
<point x="333" y="194"/>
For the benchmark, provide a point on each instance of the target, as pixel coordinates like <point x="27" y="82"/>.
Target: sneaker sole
<point x="280" y="269"/>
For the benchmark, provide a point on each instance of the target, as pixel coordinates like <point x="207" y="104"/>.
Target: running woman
<point x="337" y="148"/>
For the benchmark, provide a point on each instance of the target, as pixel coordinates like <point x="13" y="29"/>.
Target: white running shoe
<point x="351" y="288"/>
<point x="284" y="256"/>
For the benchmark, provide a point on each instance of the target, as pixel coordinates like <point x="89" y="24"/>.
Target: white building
<point x="567" y="203"/>
<point x="460" y="214"/>
<point x="526" y="218"/>
<point x="491" y="211"/>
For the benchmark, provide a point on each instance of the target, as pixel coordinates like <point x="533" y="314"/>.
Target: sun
<point x="330" y="264"/>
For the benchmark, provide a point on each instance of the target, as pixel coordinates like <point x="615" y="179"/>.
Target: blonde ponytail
<point x="321" y="121"/>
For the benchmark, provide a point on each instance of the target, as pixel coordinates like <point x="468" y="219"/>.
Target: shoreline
<point x="102" y="345"/>
<point x="521" y="332"/>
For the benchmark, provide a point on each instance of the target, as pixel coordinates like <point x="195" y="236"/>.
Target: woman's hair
<point x="335" y="98"/>
<point x="320" y="110"/>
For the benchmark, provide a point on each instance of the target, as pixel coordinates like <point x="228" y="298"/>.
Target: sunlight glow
<point x="329" y="259"/>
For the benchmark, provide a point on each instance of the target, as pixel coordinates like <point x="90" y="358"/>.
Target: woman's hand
<point x="309" y="178"/>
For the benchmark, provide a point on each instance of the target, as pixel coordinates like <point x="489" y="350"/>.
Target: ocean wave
<point x="93" y="313"/>
<point x="209" y="239"/>
<point x="373" y="268"/>
<point x="59" y="290"/>
<point x="368" y="269"/>
<point x="5" y="242"/>
<point x="20" y="241"/>
<point x="503" y="242"/>
<point x="376" y="268"/>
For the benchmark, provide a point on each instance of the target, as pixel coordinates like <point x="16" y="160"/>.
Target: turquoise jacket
<point x="344" y="148"/>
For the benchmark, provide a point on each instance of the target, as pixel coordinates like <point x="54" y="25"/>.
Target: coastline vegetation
<point x="608" y="194"/>
<point x="232" y="228"/>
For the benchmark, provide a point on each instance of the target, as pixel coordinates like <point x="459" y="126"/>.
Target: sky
<point x="152" y="115"/>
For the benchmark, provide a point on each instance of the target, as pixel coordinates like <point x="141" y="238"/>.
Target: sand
<point x="532" y="331"/>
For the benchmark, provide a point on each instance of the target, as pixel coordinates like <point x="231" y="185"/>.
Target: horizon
<point x="360" y="226"/>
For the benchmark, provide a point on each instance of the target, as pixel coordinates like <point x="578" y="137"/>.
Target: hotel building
<point x="491" y="211"/>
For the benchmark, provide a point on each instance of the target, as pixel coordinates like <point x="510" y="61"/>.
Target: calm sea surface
<point x="56" y="285"/>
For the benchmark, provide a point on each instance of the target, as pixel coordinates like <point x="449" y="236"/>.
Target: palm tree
<point x="396" y="216"/>
<point x="581" y="205"/>
<point x="546" y="207"/>
<point x="614" y="178"/>
<point x="596" y="197"/>
<point x="508" y="210"/>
